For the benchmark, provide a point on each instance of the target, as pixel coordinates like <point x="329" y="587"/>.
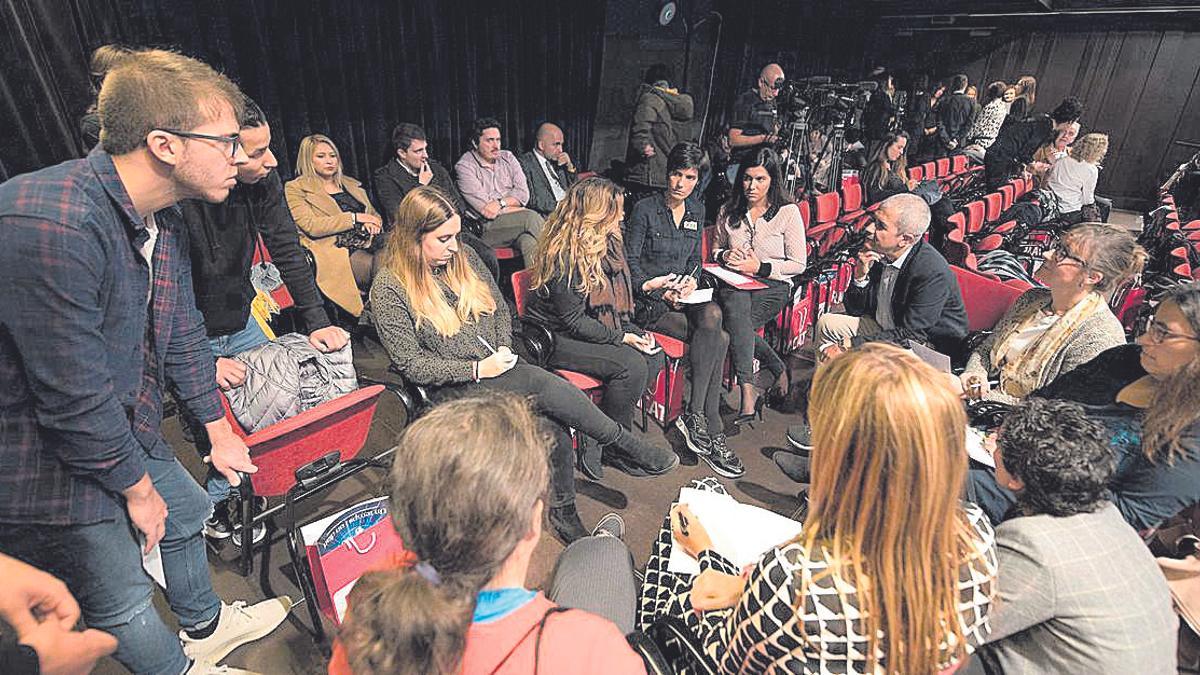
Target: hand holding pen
<point x="500" y="361"/>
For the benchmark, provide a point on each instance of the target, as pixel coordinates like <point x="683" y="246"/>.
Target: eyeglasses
<point x="233" y="140"/>
<point x="1061" y="254"/>
<point x="1158" y="333"/>
<point x="773" y="86"/>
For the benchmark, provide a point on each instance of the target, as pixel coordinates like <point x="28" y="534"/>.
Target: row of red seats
<point x="976" y="228"/>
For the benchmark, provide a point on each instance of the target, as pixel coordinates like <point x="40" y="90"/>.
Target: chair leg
<point x="304" y="576"/>
<point x="247" y="553"/>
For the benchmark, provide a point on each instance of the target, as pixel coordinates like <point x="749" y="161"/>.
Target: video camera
<point x="818" y="100"/>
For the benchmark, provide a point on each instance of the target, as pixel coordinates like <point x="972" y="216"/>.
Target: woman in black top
<point x="662" y="245"/>
<point x="886" y="173"/>
<point x="581" y="292"/>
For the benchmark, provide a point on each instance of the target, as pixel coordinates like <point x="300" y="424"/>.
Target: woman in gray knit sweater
<point x="1050" y="331"/>
<point x="445" y="326"/>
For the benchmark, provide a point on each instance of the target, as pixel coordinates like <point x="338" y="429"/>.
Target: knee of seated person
<point x="710" y="317"/>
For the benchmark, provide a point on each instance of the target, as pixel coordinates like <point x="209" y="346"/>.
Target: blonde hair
<point x="423" y="210"/>
<point x="575" y="237"/>
<point x="158" y="89"/>
<point x="465" y="480"/>
<point x="1090" y="148"/>
<point x="888" y="468"/>
<point x="304" y="157"/>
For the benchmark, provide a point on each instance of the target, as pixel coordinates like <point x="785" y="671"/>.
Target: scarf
<point x="612" y="302"/>
<point x="1022" y="375"/>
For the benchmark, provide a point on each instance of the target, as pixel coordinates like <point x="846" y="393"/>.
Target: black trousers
<point x="744" y="313"/>
<point x="700" y="327"/>
<point x="560" y="402"/>
<point x="625" y="372"/>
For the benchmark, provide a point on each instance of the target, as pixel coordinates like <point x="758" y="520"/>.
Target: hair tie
<point x="426" y="570"/>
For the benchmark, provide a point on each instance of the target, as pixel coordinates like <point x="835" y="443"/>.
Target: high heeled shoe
<point x="749" y="418"/>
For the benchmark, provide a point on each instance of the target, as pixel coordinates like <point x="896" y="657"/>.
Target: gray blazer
<point x="1079" y="594"/>
<point x="1099" y="332"/>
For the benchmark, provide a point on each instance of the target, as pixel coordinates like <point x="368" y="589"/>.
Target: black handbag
<point x="537" y="343"/>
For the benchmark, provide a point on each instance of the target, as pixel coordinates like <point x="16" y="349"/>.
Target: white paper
<point x="976" y="449"/>
<point x="339" y="600"/>
<point x="729" y="276"/>
<point x="152" y="563"/>
<point x="740" y="532"/>
<point x="697" y="297"/>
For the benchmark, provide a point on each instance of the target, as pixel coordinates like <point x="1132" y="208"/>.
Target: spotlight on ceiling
<point x="667" y="13"/>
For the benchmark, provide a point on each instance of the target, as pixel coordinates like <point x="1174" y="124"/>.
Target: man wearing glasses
<point x="756" y="119"/>
<point x="98" y="318"/>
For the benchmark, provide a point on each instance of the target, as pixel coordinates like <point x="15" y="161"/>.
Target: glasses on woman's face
<point x="1158" y="333"/>
<point x="232" y="140"/>
<point x="1061" y="254"/>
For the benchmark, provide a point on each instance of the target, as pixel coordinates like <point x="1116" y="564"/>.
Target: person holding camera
<point x="755" y="118"/>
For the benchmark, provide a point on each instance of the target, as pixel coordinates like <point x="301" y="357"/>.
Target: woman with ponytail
<point x="468" y="486"/>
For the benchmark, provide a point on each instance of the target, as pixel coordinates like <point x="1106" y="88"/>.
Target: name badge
<point x="691" y="225"/>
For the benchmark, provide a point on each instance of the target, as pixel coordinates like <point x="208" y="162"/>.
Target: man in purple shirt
<point x="491" y="180"/>
<point x="98" y="317"/>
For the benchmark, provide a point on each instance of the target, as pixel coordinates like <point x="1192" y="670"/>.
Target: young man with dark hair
<point x="493" y="184"/>
<point x="412" y="166"/>
<point x="100" y="319"/>
<point x="954" y="114"/>
<point x="222" y="239"/>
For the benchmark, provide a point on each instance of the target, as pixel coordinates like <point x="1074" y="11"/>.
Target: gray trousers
<point x="521" y="229"/>
<point x="595" y="574"/>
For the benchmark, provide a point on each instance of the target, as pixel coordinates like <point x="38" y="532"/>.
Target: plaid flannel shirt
<point x="82" y="367"/>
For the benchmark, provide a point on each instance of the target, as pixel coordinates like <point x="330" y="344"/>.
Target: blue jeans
<point x="227" y="345"/>
<point x="101" y="563"/>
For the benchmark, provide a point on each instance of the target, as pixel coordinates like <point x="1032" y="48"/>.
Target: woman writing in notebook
<point x="760" y="234"/>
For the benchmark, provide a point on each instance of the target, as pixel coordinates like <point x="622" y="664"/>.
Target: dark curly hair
<point x="1061" y="455"/>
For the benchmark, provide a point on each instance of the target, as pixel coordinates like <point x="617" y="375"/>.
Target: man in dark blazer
<point x="903" y="289"/>
<point x="954" y="114"/>
<point x="548" y="170"/>
<point x="410" y="167"/>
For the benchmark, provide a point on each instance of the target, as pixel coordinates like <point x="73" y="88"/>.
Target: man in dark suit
<point x="410" y="167"/>
<point x="548" y="170"/>
<point x="954" y="114"/>
<point x="903" y="289"/>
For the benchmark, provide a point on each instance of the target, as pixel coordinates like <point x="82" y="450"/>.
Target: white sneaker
<point x="201" y="668"/>
<point x="237" y="624"/>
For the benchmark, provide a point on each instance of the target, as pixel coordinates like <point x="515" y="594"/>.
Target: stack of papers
<point x="740" y="532"/>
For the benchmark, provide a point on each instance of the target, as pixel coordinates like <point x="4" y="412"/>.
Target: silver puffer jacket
<point x="286" y="377"/>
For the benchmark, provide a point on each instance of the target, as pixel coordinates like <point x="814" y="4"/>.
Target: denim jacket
<point x="654" y="246"/>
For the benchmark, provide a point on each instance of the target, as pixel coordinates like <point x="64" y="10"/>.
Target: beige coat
<point x="320" y="220"/>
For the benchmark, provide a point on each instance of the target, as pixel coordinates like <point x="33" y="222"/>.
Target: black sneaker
<point x="611" y="525"/>
<point x="722" y="459"/>
<point x="799" y="436"/>
<point x="795" y="467"/>
<point x="217" y="526"/>
<point x="694" y="428"/>
<point x="589" y="458"/>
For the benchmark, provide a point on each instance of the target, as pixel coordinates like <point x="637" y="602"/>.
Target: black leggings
<point x="744" y="313"/>
<point x="700" y="327"/>
<point x="560" y="402"/>
<point x="625" y="372"/>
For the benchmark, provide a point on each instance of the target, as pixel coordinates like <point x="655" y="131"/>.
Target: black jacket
<point x="954" y="115"/>
<point x="654" y="246"/>
<point x="877" y="117"/>
<point x="562" y="308"/>
<point x="927" y="305"/>
<point x="1016" y="143"/>
<point x="221" y="243"/>
<point x="393" y="181"/>
<point x="541" y="196"/>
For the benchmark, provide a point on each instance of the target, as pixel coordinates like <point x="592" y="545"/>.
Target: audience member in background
<point x="920" y="124"/>
<point x="760" y="234"/>
<point x="954" y="114"/>
<point x="445" y="326"/>
<point x="99" y="318"/>
<point x="886" y="172"/>
<point x="1017" y="141"/>
<point x="657" y="126"/>
<point x="889" y="555"/>
<point x="1053" y="330"/>
<point x="972" y="93"/>
<point x="467" y="493"/>
<point x="222" y="240"/>
<point x="548" y="169"/>
<point x="411" y="167"/>
<point x="582" y="293"/>
<point x="988" y="122"/>
<point x="1051" y="152"/>
<point x="755" y="123"/>
<point x="103" y="60"/>
<point x="663" y="247"/>
<point x="1148" y="400"/>
<point x="880" y="113"/>
<point x="1069" y="193"/>
<point x="1077" y="590"/>
<point x="43" y="615"/>
<point x="337" y="223"/>
<point x="1024" y="96"/>
<point x="491" y="180"/>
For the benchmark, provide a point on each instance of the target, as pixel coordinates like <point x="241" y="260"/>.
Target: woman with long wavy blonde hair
<point x="582" y="293"/>
<point x="442" y="320"/>
<point x="888" y="552"/>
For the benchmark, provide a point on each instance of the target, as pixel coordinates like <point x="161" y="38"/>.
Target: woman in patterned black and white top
<point x="888" y="555"/>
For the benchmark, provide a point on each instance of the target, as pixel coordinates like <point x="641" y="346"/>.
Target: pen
<point x="683" y="524"/>
<point x="485" y="344"/>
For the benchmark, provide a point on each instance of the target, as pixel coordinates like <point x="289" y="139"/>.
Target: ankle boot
<point x="636" y="457"/>
<point x="565" y="523"/>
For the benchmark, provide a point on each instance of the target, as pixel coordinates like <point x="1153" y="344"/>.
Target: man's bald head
<point x="550" y="140"/>
<point x="908" y="213"/>
<point x="771" y="75"/>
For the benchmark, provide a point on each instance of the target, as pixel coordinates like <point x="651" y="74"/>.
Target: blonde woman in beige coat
<point x="337" y="222"/>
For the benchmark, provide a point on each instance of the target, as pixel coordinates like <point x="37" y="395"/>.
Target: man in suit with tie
<point x="548" y="169"/>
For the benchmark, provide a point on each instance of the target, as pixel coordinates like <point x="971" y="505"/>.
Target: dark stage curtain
<point x="348" y="69"/>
